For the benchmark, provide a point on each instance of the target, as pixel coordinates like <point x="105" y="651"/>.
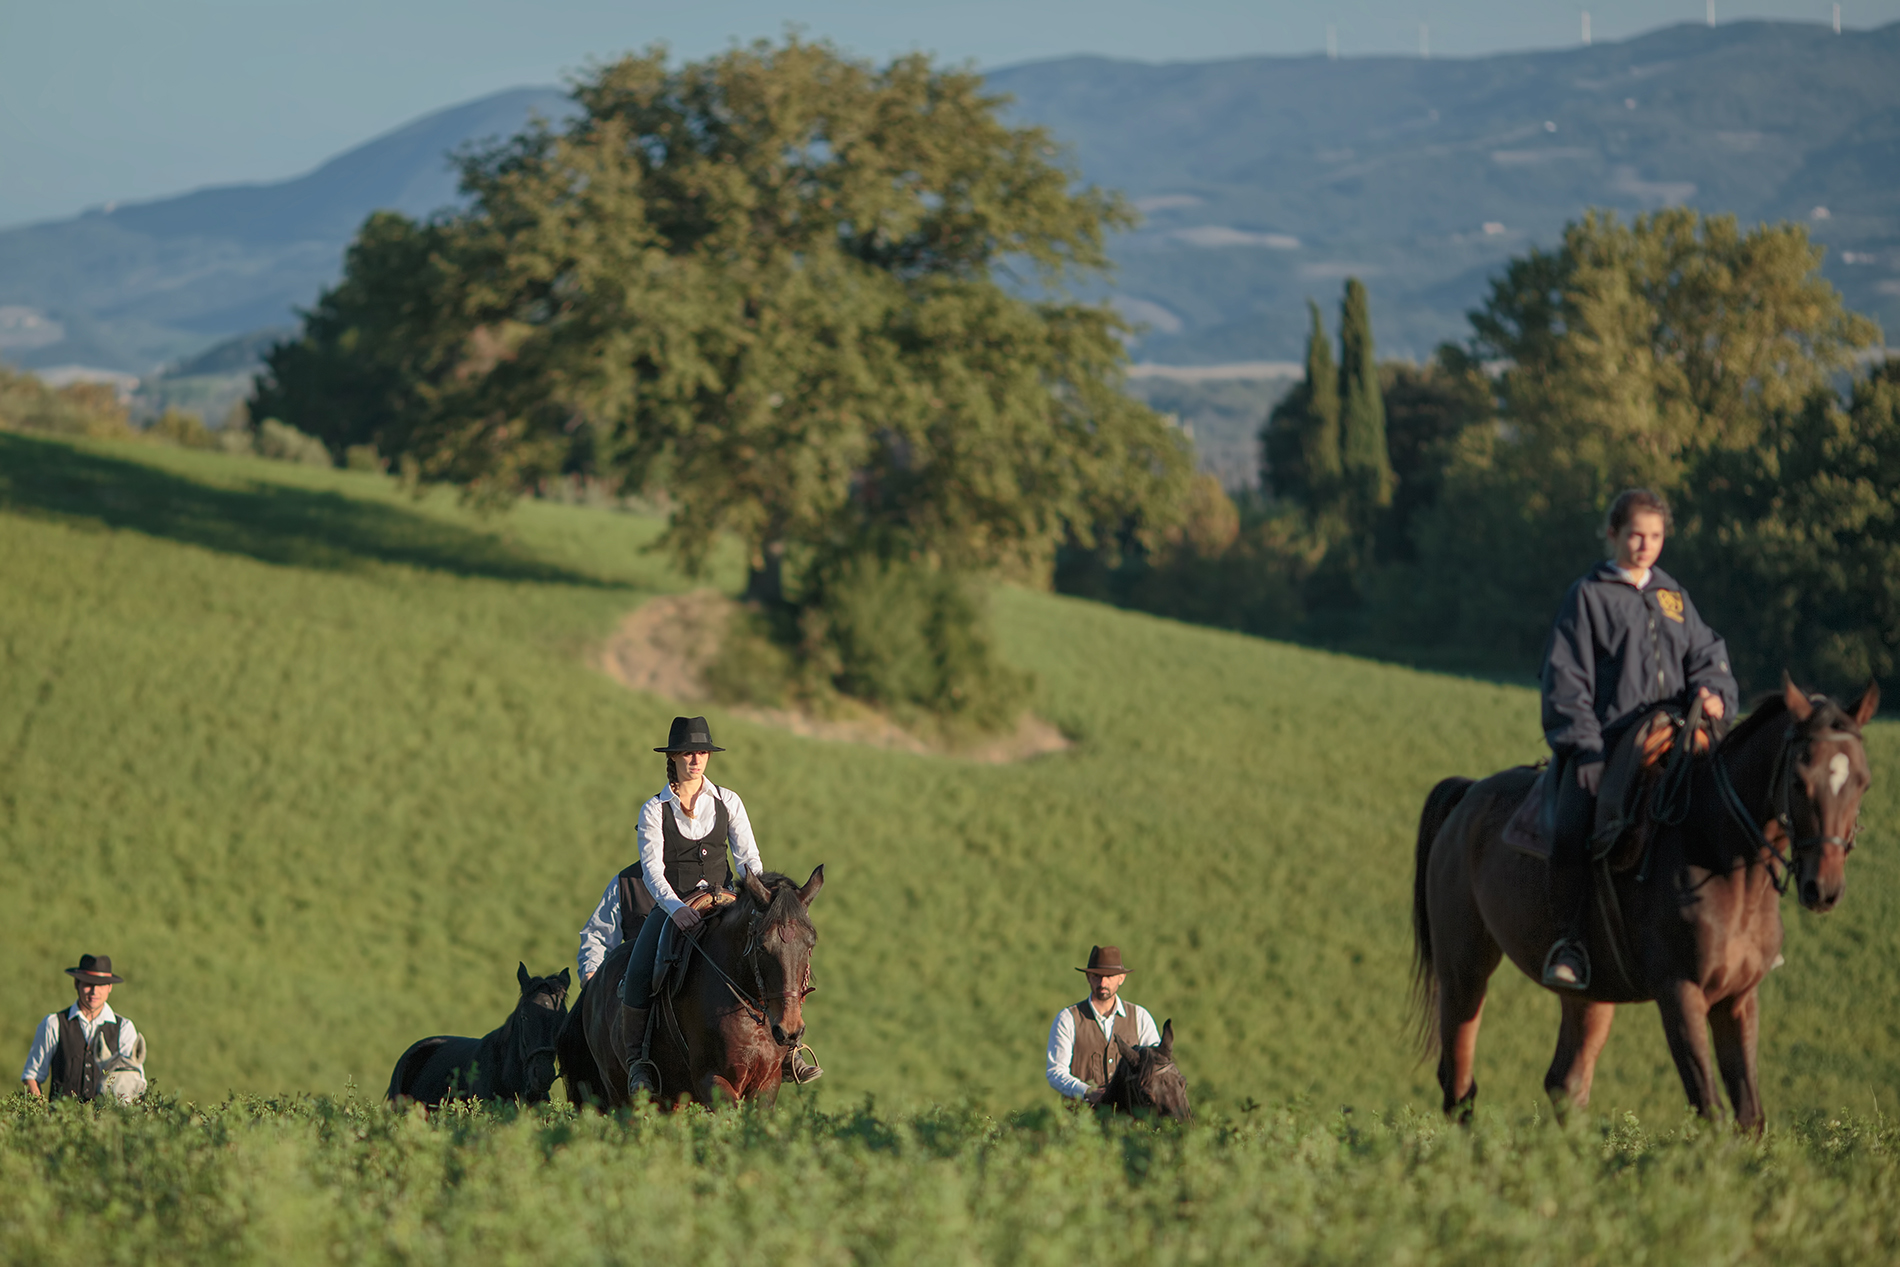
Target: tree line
<point x="1437" y="512"/>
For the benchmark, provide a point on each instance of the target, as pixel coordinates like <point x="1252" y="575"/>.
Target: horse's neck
<point x="1752" y="767"/>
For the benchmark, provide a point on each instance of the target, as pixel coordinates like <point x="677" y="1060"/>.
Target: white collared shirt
<point x="1062" y="1041"/>
<point x="602" y="931"/>
<point x="39" y="1057"/>
<point x="1638" y="579"/>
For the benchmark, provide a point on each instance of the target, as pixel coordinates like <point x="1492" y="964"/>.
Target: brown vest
<point x="75" y="1067"/>
<point x="1093" y="1058"/>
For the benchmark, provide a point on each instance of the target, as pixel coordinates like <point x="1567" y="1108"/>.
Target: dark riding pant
<point x="636" y="988"/>
<point x="1571" y="825"/>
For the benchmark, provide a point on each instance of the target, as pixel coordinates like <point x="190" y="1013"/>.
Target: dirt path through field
<point x="663" y="646"/>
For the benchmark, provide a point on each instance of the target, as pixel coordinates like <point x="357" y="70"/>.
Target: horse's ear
<point x="521" y="975"/>
<point x="1798" y="703"/>
<point x="1127" y="1053"/>
<point x="1867" y="705"/>
<point x="566" y="980"/>
<point x="756" y="887"/>
<point x="1167" y="1038"/>
<point x="810" y="891"/>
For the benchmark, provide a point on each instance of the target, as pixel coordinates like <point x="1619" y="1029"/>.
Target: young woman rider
<point x="683" y="836"/>
<point x="1626" y="638"/>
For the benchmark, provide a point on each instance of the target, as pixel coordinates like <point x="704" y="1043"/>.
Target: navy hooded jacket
<point x="1616" y="649"/>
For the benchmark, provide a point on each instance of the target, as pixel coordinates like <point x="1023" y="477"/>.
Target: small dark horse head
<point x="779" y="945"/>
<point x="536" y="1026"/>
<point x="1147" y="1081"/>
<point x="1827" y="775"/>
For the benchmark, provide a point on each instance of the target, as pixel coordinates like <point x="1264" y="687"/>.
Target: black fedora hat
<point x="689" y="734"/>
<point x="1106" y="960"/>
<point x="94" y="970"/>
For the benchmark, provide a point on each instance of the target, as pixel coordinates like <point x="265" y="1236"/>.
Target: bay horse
<point x="1147" y="1081"/>
<point x="1776" y="802"/>
<point x="514" y="1061"/>
<point x="724" y="1034"/>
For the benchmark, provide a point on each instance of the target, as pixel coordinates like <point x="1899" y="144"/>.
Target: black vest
<point x="695" y="864"/>
<point x="75" y="1068"/>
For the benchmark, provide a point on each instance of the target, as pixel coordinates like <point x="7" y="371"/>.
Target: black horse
<point x="1147" y="1082"/>
<point x="514" y="1062"/>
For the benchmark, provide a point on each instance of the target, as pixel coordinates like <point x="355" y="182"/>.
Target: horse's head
<point x="1826" y="777"/>
<point x="779" y="945"/>
<point x="539" y="1015"/>
<point x="1146" y="1080"/>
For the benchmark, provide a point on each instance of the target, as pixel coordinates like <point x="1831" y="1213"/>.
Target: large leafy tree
<point x="1644" y="353"/>
<point x="819" y="303"/>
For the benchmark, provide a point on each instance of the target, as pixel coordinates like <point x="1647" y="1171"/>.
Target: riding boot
<point x="800" y="1070"/>
<point x="640" y="1070"/>
<point x="1567" y="966"/>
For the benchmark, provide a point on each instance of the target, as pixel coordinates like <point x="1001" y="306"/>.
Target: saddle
<point x="674" y="943"/>
<point x="1625" y="813"/>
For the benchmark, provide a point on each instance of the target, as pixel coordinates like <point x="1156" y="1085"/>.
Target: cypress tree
<point x="1366" y="465"/>
<point x="1301" y="438"/>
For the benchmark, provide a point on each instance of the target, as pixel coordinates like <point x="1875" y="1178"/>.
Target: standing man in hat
<point x="683" y="836"/>
<point x="1082" y="1052"/>
<point x="64" y="1059"/>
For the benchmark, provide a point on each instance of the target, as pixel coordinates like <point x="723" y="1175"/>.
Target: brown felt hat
<point x="689" y="734"/>
<point x="1106" y="960"/>
<point x="94" y="970"/>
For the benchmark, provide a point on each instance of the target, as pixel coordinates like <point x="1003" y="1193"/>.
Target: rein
<point x="1781" y="793"/>
<point x="753" y="1006"/>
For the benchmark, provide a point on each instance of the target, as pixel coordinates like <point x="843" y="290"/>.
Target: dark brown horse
<point x="1695" y="928"/>
<point x="512" y="1062"/>
<point x="1147" y="1082"/>
<point x="724" y="1035"/>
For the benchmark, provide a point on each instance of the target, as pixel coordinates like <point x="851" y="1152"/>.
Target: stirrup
<point x="1556" y="982"/>
<point x="639" y="1077"/>
<point x="803" y="1071"/>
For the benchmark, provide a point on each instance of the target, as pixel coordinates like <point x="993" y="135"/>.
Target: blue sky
<point x="105" y="100"/>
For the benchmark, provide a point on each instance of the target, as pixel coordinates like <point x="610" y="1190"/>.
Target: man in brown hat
<point x="1082" y="1052"/>
<point x="66" y="1056"/>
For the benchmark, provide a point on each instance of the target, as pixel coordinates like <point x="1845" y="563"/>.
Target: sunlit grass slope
<point x="317" y="764"/>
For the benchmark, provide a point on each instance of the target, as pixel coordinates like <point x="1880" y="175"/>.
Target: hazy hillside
<point x="1265" y="179"/>
<point x="317" y="763"/>
<point x="142" y="283"/>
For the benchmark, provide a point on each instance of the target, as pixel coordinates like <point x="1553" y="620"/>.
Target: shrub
<point x="364" y="457"/>
<point x="91" y="410"/>
<point x="912" y="639"/>
<point x="175" y="426"/>
<point x="282" y="442"/>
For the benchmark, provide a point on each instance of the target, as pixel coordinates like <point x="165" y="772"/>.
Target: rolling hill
<point x="1264" y="179"/>
<point x="317" y="763"/>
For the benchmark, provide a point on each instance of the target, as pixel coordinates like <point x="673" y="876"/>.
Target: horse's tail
<point x="1438" y="807"/>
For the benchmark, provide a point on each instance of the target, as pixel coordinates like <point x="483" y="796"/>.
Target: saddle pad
<point x="1525" y="831"/>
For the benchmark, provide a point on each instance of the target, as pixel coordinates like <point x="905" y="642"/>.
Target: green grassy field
<point x="317" y="764"/>
<point x="321" y="1181"/>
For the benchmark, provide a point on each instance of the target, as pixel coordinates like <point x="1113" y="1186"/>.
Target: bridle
<point x="1781" y="800"/>
<point x="754" y="1004"/>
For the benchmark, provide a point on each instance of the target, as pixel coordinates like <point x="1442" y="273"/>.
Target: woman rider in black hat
<point x="1626" y="638"/>
<point x="683" y="836"/>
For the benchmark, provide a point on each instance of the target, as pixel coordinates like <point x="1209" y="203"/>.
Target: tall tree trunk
<point x="765" y="582"/>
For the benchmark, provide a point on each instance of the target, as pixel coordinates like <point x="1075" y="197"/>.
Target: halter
<point x="1781" y="794"/>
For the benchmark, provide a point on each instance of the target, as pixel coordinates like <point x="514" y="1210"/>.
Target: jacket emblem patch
<point x="1671" y="603"/>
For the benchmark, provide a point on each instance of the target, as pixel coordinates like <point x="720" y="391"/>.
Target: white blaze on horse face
<point x="1837" y="773"/>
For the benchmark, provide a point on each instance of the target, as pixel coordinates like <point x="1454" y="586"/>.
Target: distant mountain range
<point x="1264" y="180"/>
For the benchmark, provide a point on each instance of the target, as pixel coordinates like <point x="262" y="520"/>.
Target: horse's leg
<point x="717" y="1093"/>
<point x="1736" y="1023"/>
<point x="1685" y="1018"/>
<point x="1464" y="955"/>
<point x="603" y="1041"/>
<point x="1580" y="1038"/>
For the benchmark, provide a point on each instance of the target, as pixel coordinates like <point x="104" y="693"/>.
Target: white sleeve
<point x="745" y="849"/>
<point x="1061" y="1051"/>
<point x="601" y="933"/>
<point x="39" y="1057"/>
<point x="653" y="856"/>
<point x="1146" y="1035"/>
